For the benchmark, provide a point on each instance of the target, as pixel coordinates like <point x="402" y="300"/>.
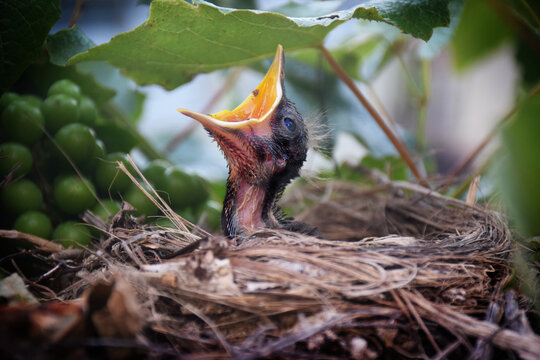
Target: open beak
<point x="256" y="112"/>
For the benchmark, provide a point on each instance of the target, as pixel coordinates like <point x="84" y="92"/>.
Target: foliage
<point x="471" y="40"/>
<point x="25" y="24"/>
<point x="179" y="40"/>
<point x="522" y="168"/>
<point x="66" y="43"/>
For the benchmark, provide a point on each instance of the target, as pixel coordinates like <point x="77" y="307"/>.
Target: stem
<point x="76" y="13"/>
<point x="519" y="27"/>
<point x="422" y="104"/>
<point x="42" y="244"/>
<point x="469" y="159"/>
<point x="376" y="116"/>
<point x="122" y="120"/>
<point x="378" y="103"/>
<point x="411" y="84"/>
<point x="185" y="133"/>
<point x="531" y="12"/>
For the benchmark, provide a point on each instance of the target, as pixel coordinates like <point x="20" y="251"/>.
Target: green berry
<point x="212" y="211"/>
<point x="35" y="223"/>
<point x="21" y="196"/>
<point x="74" y="234"/>
<point x="184" y="190"/>
<point x="188" y="214"/>
<point x="73" y="195"/>
<point x="155" y="172"/>
<point x="141" y="202"/>
<point x="22" y="122"/>
<point x="109" y="177"/>
<point x="78" y="142"/>
<point x="59" y="110"/>
<point x="87" y="111"/>
<point x="100" y="150"/>
<point x="65" y="87"/>
<point x="6" y="99"/>
<point x="14" y="156"/>
<point x="32" y="99"/>
<point x="105" y="209"/>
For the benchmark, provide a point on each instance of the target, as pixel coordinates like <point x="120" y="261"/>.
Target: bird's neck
<point x="247" y="207"/>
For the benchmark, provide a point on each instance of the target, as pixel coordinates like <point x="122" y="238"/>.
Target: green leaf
<point x="521" y="169"/>
<point x="415" y="17"/>
<point x="479" y="32"/>
<point x="443" y="35"/>
<point x="180" y="40"/>
<point x="314" y="9"/>
<point x="25" y="24"/>
<point x="67" y="43"/>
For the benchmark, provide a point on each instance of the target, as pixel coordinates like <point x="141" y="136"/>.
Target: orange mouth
<point x="256" y="111"/>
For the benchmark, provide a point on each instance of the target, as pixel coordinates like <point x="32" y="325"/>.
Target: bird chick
<point x="265" y="143"/>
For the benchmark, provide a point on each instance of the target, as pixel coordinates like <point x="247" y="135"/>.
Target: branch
<point x="376" y="116"/>
<point x="519" y="27"/>
<point x="76" y="13"/>
<point x="42" y="244"/>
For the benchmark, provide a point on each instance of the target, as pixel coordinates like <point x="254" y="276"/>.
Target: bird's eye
<point x="289" y="124"/>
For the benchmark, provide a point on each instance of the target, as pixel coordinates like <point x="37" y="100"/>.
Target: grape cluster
<point x="44" y="142"/>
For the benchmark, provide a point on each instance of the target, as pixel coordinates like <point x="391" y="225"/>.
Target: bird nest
<point x="402" y="273"/>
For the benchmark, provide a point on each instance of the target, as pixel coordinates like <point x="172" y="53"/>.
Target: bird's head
<point x="264" y="141"/>
<point x="263" y="136"/>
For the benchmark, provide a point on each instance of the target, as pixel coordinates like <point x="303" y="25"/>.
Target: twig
<point x="401" y="305"/>
<point x="76" y="13"/>
<point x="201" y="315"/>
<point x="531" y="12"/>
<point x="419" y="320"/>
<point x="434" y="194"/>
<point x="444" y="354"/>
<point x="518" y="26"/>
<point x="422" y="104"/>
<point x="30" y="282"/>
<point x="378" y="103"/>
<point x="184" y="134"/>
<point x="411" y="83"/>
<point x="376" y="116"/>
<point x="526" y="345"/>
<point x="162" y="205"/>
<point x="473" y="190"/>
<point x="44" y="245"/>
<point x="468" y="160"/>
